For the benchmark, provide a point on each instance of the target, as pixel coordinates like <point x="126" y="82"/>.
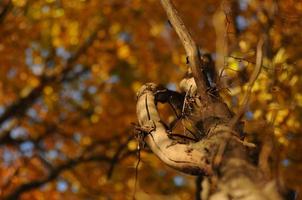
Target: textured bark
<point x="219" y="154"/>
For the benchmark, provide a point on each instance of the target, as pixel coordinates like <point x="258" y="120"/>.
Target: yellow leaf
<point x="94" y="118"/>
<point x="243" y="45"/>
<point x="156" y="29"/>
<point x="277" y="132"/>
<point x="118" y="186"/>
<point x="281" y="115"/>
<point x="55" y="30"/>
<point x="48" y="90"/>
<point x="132" y="145"/>
<point x="57" y="42"/>
<point x="235" y="90"/>
<point x="132" y="60"/>
<point x="59" y="12"/>
<point x="103" y="180"/>
<point x="19" y="3"/>
<point x="269" y="115"/>
<point x="283" y="76"/>
<point x="96" y="68"/>
<point x="123" y="52"/>
<point x="135" y="86"/>
<point x="34" y="82"/>
<point x="86" y="140"/>
<point x="25" y="91"/>
<point x="298" y="98"/>
<point x="114" y="29"/>
<point x="234" y="65"/>
<point x="280" y="56"/>
<point x="283" y="140"/>
<point x="290" y="122"/>
<point x="257" y="114"/>
<point x="293" y="80"/>
<point x="265" y="96"/>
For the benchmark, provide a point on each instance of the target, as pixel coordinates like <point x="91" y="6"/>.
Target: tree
<point x="70" y="71"/>
<point x="217" y="151"/>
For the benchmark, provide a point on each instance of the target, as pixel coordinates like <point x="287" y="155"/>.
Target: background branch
<point x="5" y="10"/>
<point x="55" y="171"/>
<point x="20" y="106"/>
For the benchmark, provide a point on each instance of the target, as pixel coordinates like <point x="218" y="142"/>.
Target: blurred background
<point x="70" y="70"/>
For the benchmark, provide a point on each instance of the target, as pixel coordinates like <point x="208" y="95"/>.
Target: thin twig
<point x="116" y="157"/>
<point x="252" y="80"/>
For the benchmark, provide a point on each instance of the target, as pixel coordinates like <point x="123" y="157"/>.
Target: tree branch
<point x="197" y="65"/>
<point x="5" y="10"/>
<point x="53" y="174"/>
<point x="116" y="157"/>
<point x="251" y="83"/>
<point x="183" y="157"/>
<point x="56" y="171"/>
<point x="19" y="107"/>
<point x="198" y="188"/>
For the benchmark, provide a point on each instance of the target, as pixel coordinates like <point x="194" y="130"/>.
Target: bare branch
<point x="252" y="80"/>
<point x="191" y="48"/>
<point x="116" y="157"/>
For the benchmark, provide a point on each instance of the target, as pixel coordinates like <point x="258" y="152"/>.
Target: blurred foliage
<point x="69" y="71"/>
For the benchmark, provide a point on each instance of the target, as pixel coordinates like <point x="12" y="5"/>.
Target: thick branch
<point x="182" y="157"/>
<point x="191" y="48"/>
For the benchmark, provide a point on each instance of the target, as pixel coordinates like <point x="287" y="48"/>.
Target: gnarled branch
<point x="182" y="157"/>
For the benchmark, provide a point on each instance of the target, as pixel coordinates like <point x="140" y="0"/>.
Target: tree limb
<point x="182" y="157"/>
<point x="191" y="48"/>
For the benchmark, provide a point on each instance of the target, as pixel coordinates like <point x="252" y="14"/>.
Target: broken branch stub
<point x="182" y="157"/>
